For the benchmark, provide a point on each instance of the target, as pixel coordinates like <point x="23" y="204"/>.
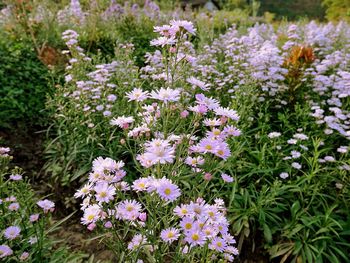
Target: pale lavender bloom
<point x="226" y="112"/>
<point x="122" y="122"/>
<point x="4" y="151"/>
<point x="166" y="95"/>
<point x="104" y="192"/>
<point x="137" y="241"/>
<point x="13" y="207"/>
<point x="343" y="149"/>
<point x="33" y="240"/>
<point x="296" y="165"/>
<point x="163" y="41"/>
<point x="12" y="232"/>
<point x="329" y="159"/>
<point x="137" y="95"/>
<point x="177" y="25"/>
<point x="227" y="178"/>
<point x="34" y="217"/>
<point x="300" y="136"/>
<point x="272" y="135"/>
<point x="218" y="244"/>
<point x="16" y="177"/>
<point x="295" y="154"/>
<point x="5" y="251"/>
<point x="167" y="190"/>
<point x="24" y="256"/>
<point x="195" y="238"/>
<point x="91" y="214"/>
<point x="107" y="113"/>
<point x="128" y="210"/>
<point x="284" y="175"/>
<point x="111" y="97"/>
<point x="170" y="235"/>
<point x="46" y="205"/>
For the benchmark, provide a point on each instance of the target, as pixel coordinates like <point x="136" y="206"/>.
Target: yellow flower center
<point x="170" y="235"/>
<point x="103" y="194"/>
<point x="208" y="147"/>
<point x="90" y="217"/>
<point x="195" y="237"/>
<point x="167" y="191"/>
<point x="188" y="226"/>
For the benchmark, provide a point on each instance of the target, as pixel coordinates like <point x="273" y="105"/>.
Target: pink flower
<point x="46" y="205"/>
<point x="13" y="207"/>
<point x="34" y="217"/>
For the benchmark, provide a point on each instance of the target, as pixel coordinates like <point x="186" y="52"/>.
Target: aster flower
<point x="104" y="192"/>
<point x="163" y="41"/>
<point x="137" y="241"/>
<point x="128" y="210"/>
<point x="170" y="235"/>
<point x="16" y="177"/>
<point x="218" y="244"/>
<point x="198" y="83"/>
<point x="46" y="205"/>
<point x="13" y="207"/>
<point x="34" y="217"/>
<point x="91" y="214"/>
<point x="181" y="210"/>
<point x="227" y="178"/>
<point x="137" y="95"/>
<point x="5" y="251"/>
<point x="123" y="122"/>
<point x="210" y="103"/>
<point x="177" y="25"/>
<point x="168" y="191"/>
<point x="226" y="112"/>
<point x="195" y="238"/>
<point x="272" y="135"/>
<point x="194" y="161"/>
<point x="166" y="95"/>
<point x="212" y="122"/>
<point x="140" y="184"/>
<point x="84" y="191"/>
<point x="231" y="131"/>
<point x="284" y="175"/>
<point x="12" y="232"/>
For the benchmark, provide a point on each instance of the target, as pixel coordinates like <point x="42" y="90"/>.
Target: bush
<point x="23" y="82"/>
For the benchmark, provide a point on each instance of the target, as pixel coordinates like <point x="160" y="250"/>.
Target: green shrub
<point x="23" y="84"/>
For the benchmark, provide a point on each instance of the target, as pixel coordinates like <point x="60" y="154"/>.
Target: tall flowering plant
<point x="177" y="139"/>
<point x="24" y="220"/>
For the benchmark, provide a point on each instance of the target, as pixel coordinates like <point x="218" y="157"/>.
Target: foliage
<point x="23" y="81"/>
<point x="25" y="221"/>
<point x="337" y="9"/>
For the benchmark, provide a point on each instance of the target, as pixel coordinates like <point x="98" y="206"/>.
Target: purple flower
<point x="16" y="177"/>
<point x="168" y="191"/>
<point x="13" y="207"/>
<point x="227" y="178"/>
<point x="12" y="232"/>
<point x="46" y="205"/>
<point x="34" y="217"/>
<point x="170" y="235"/>
<point x="104" y="192"/>
<point x="5" y="251"/>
